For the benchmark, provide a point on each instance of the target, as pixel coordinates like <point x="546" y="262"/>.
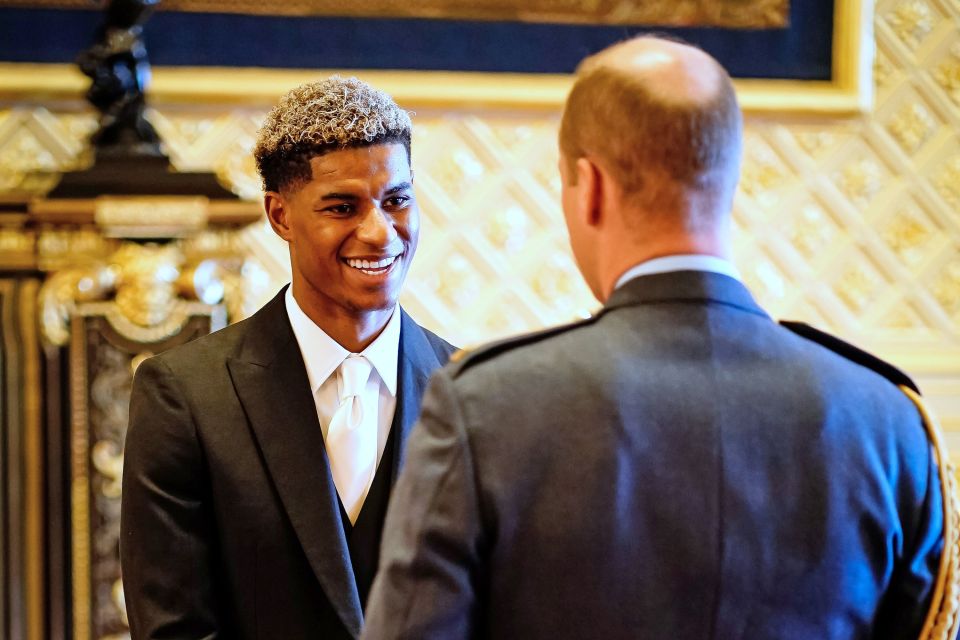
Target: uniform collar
<point x="322" y="354"/>
<point x="698" y="287"/>
<point x="680" y="262"/>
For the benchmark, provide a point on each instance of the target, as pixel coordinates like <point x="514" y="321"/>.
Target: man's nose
<point x="376" y="227"/>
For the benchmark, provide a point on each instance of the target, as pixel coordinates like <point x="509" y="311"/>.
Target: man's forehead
<point x="367" y="159"/>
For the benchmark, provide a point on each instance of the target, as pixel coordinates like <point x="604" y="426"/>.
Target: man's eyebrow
<point x="339" y="196"/>
<point x="403" y="186"/>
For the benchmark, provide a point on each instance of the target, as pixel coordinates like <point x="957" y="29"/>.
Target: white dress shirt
<point x="680" y="262"/>
<point x="322" y="356"/>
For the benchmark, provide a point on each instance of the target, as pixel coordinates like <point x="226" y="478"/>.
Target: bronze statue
<point x="128" y="154"/>
<point x="117" y="63"/>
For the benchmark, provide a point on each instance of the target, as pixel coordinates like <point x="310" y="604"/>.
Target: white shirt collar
<point x="322" y="354"/>
<point x="680" y="262"/>
<point x="384" y="351"/>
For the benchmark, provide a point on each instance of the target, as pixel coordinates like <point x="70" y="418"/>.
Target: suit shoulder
<point x="218" y="344"/>
<point x="441" y="347"/>
<point x="411" y="328"/>
<point x="464" y="359"/>
<point x="852" y="353"/>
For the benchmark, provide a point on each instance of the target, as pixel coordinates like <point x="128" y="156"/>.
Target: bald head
<point x="660" y="116"/>
<point x="670" y="71"/>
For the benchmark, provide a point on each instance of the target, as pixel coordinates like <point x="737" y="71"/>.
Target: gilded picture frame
<point x="846" y="93"/>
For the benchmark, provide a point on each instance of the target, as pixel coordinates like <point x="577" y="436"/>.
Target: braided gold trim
<point x="942" y="620"/>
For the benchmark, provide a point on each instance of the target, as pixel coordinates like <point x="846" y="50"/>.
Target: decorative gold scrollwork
<point x="145" y="291"/>
<point x="60" y="294"/>
<point x="147" y="275"/>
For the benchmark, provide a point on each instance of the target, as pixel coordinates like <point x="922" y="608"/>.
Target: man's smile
<point x="373" y="266"/>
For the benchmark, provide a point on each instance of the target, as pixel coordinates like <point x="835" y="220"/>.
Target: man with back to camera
<point x="680" y="465"/>
<point x="259" y="459"/>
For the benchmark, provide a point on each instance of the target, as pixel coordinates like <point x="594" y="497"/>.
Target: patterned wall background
<point x="852" y="224"/>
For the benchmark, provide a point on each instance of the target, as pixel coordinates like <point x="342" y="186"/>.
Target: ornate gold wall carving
<point x="727" y="13"/>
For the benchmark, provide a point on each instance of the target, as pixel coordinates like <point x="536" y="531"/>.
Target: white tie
<point x="352" y="437"/>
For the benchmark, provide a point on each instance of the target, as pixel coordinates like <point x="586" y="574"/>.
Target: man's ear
<point x="275" y="206"/>
<point x="590" y="192"/>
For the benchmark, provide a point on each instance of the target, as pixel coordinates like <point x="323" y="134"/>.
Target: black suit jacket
<point x="231" y="524"/>
<point x="679" y="466"/>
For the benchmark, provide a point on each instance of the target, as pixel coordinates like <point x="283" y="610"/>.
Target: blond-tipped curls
<point x="315" y="118"/>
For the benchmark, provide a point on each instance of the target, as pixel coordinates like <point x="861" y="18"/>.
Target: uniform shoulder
<point x="850" y="352"/>
<point x="464" y="359"/>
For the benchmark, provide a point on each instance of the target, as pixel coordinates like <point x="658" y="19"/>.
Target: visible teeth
<point x="367" y="265"/>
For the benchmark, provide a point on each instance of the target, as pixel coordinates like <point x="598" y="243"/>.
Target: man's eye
<point x="396" y="201"/>
<point x="340" y="208"/>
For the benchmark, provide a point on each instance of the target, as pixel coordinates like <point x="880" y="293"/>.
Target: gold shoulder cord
<point x="942" y="620"/>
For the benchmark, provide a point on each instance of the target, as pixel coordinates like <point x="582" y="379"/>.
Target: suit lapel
<point x="417" y="360"/>
<point x="271" y="382"/>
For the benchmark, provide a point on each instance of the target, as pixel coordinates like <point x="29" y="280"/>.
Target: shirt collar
<point x="680" y="262"/>
<point x="322" y="354"/>
<point x="384" y="351"/>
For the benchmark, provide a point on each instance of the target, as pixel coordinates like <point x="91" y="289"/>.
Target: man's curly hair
<point x="319" y="117"/>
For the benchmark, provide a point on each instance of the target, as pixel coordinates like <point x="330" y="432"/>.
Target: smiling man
<point x="260" y="458"/>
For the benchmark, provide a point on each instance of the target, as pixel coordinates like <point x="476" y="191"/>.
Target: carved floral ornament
<point x="146" y="291"/>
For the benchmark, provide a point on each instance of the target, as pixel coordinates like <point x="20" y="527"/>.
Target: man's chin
<point x="374" y="305"/>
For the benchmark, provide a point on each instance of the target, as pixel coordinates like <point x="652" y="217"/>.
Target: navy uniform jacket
<point x="678" y="467"/>
<point x="231" y="527"/>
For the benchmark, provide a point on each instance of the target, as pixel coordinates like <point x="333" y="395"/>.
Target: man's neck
<point x="356" y="335"/>
<point x="353" y="331"/>
<point x="620" y="261"/>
